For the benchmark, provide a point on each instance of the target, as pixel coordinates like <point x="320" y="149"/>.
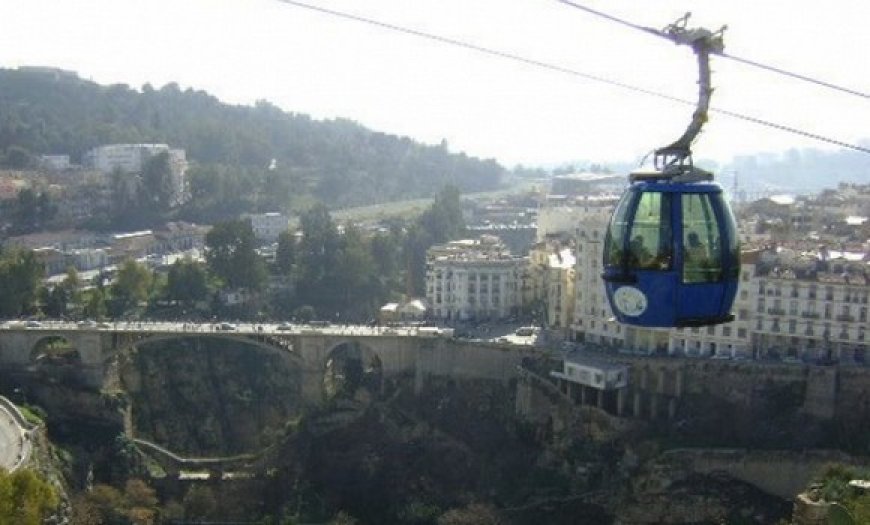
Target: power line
<point x="773" y="69"/>
<point x="565" y="70"/>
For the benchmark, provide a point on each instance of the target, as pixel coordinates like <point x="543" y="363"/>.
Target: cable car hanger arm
<point x="703" y="42"/>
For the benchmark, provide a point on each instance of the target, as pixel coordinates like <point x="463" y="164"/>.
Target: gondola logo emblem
<point x="630" y="301"/>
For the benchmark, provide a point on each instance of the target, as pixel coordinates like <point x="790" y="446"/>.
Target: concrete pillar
<point x="654" y="406"/>
<point x="678" y="386"/>
<point x="672" y="408"/>
<point x="418" y="375"/>
<point x="636" y="406"/>
<point x="644" y="378"/>
<point x="661" y="385"/>
<point x="601" y="399"/>
<point x="620" y="401"/>
<point x="583" y="394"/>
<point x="570" y="387"/>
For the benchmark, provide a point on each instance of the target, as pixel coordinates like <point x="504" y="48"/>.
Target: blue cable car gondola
<point x="671" y="255"/>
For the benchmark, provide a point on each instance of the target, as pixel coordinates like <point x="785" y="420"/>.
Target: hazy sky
<point x="244" y="50"/>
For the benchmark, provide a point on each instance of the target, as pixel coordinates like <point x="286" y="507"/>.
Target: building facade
<point x="268" y="226"/>
<point x="131" y="158"/>
<point x="473" y="280"/>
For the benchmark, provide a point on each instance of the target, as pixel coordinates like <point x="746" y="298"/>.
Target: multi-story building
<point x="548" y="283"/>
<point x="131" y="158"/>
<point x="560" y="214"/>
<point x="473" y="279"/>
<point x="268" y="226"/>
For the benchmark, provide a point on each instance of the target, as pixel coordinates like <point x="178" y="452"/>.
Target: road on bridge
<point x="229" y="328"/>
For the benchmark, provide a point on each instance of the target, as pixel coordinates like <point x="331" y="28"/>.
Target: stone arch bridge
<point x="400" y="351"/>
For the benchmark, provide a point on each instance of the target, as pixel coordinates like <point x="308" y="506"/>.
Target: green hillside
<point x="337" y="161"/>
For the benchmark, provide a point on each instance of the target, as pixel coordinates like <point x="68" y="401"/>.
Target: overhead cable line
<point x="723" y="54"/>
<point x="565" y="70"/>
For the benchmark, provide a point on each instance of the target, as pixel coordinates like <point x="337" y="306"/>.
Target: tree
<point x="94" y="304"/>
<point x="54" y="301"/>
<point x="72" y="285"/>
<point x="199" y="503"/>
<point x="285" y="257"/>
<point x="32" y="211"/>
<point x="17" y="157"/>
<point x="443" y="219"/>
<point x="231" y="255"/>
<point x="354" y="271"/>
<point x="157" y="183"/>
<point x="20" y="277"/>
<point x="25" y="498"/>
<point x="187" y="282"/>
<point x="316" y="260"/>
<point x="132" y="286"/>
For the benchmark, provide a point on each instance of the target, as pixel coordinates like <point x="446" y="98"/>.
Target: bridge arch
<point x="350" y="366"/>
<point x="55" y="350"/>
<point x="283" y="347"/>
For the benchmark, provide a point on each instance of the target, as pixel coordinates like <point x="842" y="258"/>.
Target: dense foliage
<point x="25" y="498"/>
<point x="20" y="277"/>
<point x="233" y="147"/>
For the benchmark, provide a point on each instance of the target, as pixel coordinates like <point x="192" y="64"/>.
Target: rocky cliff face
<point x="203" y="397"/>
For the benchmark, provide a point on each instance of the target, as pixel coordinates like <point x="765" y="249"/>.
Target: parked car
<point x="33" y="324"/>
<point x="226" y="326"/>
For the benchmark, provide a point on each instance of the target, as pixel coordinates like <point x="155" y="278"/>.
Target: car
<point x="33" y="324"/>
<point x="226" y="326"/>
<point x="103" y="325"/>
<point x="87" y="323"/>
<point x="285" y="326"/>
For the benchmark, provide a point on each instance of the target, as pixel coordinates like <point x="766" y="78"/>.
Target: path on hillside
<point x="14" y="438"/>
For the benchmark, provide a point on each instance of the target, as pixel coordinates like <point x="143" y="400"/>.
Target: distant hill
<point x="339" y="161"/>
<point x="807" y="170"/>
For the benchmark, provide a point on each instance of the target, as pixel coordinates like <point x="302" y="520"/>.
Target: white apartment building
<point x="130" y="158"/>
<point x="560" y="214"/>
<point x="268" y="226"/>
<point x="473" y="279"/>
<point x="593" y="320"/>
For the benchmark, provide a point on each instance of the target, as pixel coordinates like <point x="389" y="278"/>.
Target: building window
<point x="741" y="333"/>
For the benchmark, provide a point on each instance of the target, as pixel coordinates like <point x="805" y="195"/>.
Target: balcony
<point x="845" y="318"/>
<point x="809" y="315"/>
<point x="776" y="311"/>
